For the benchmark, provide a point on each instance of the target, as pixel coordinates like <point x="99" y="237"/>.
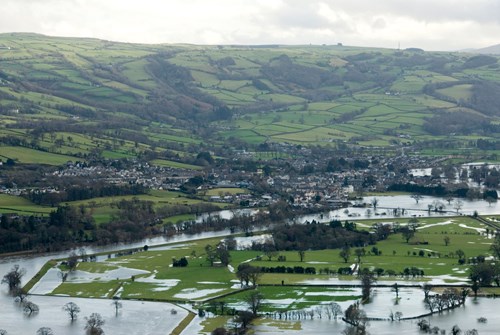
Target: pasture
<point x="150" y="275"/>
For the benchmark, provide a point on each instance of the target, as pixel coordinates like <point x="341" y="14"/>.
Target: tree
<point x="254" y="300"/>
<point x="72" y="261"/>
<point x="20" y="295"/>
<point x="458" y="205"/>
<point x="483" y="273"/>
<point x="367" y="280"/>
<point x="446" y="240"/>
<point x="94" y="324"/>
<point x="219" y="331"/>
<point x="269" y="250"/>
<point x="254" y="275"/>
<point x="407" y="233"/>
<point x="223" y="254"/>
<point x="455" y="330"/>
<point x="30" y="307"/>
<point x="72" y="309"/>
<point x="211" y="254"/>
<point x="13" y="278"/>
<point x="359" y="252"/>
<point x="333" y="310"/>
<point x="3" y="332"/>
<point x="44" y="331"/>
<point x="245" y="317"/>
<point x="427" y="289"/>
<point x="461" y="255"/>
<point x="449" y="198"/>
<point x="416" y="197"/>
<point x="495" y="247"/>
<point x="302" y="254"/>
<point x="423" y="325"/>
<point x="117" y="305"/>
<point x="345" y="253"/>
<point x="356" y="317"/>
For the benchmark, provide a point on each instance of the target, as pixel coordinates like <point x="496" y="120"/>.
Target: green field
<point x="121" y="100"/>
<point x="15" y="204"/>
<point x="30" y="156"/>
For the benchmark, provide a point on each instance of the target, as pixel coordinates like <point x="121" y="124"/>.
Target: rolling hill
<point x="78" y="98"/>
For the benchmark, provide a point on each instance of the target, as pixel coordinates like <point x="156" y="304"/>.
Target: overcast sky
<point x="427" y="24"/>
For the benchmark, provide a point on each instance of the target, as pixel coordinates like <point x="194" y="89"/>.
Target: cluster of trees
<point x="83" y="192"/>
<point x="288" y="269"/>
<point x="459" y="123"/>
<point x="69" y="225"/>
<point x="449" y="191"/>
<point x="183" y="262"/>
<point x="424" y="326"/>
<point x="331" y="310"/>
<point x="247" y="274"/>
<point x="219" y="253"/>
<point x="356" y="318"/>
<point x="243" y="317"/>
<point x="317" y="236"/>
<point x="450" y="298"/>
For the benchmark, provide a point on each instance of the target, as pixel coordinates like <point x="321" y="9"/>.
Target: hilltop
<point x="73" y="98"/>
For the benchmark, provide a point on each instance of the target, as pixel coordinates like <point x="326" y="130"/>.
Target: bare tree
<point x="345" y="253"/>
<point x="63" y="275"/>
<point x="30" y="307"/>
<point x="458" y="205"/>
<point x="302" y="254"/>
<point x="359" y="252"/>
<point x="117" y="304"/>
<point x="254" y="300"/>
<point x="3" y="332"/>
<point x="356" y="318"/>
<point x="427" y="289"/>
<point x="416" y="197"/>
<point x="13" y="278"/>
<point x="94" y="324"/>
<point x="72" y="309"/>
<point x="449" y="198"/>
<point x="333" y="310"/>
<point x="254" y="275"/>
<point x="44" y="331"/>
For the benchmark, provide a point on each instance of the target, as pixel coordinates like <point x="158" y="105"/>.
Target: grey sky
<point x="428" y="24"/>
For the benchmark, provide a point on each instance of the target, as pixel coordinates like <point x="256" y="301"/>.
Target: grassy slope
<point x="97" y="75"/>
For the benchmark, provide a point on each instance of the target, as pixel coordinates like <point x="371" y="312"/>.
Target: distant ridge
<point x="491" y="50"/>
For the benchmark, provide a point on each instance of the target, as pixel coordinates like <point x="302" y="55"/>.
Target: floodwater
<point x="386" y="204"/>
<point x="410" y="304"/>
<point x="138" y="317"/>
<point x="135" y="317"/>
<point x="385" y="207"/>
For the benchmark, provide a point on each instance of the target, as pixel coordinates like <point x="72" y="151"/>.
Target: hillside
<point x="81" y="98"/>
<point x="492" y="50"/>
